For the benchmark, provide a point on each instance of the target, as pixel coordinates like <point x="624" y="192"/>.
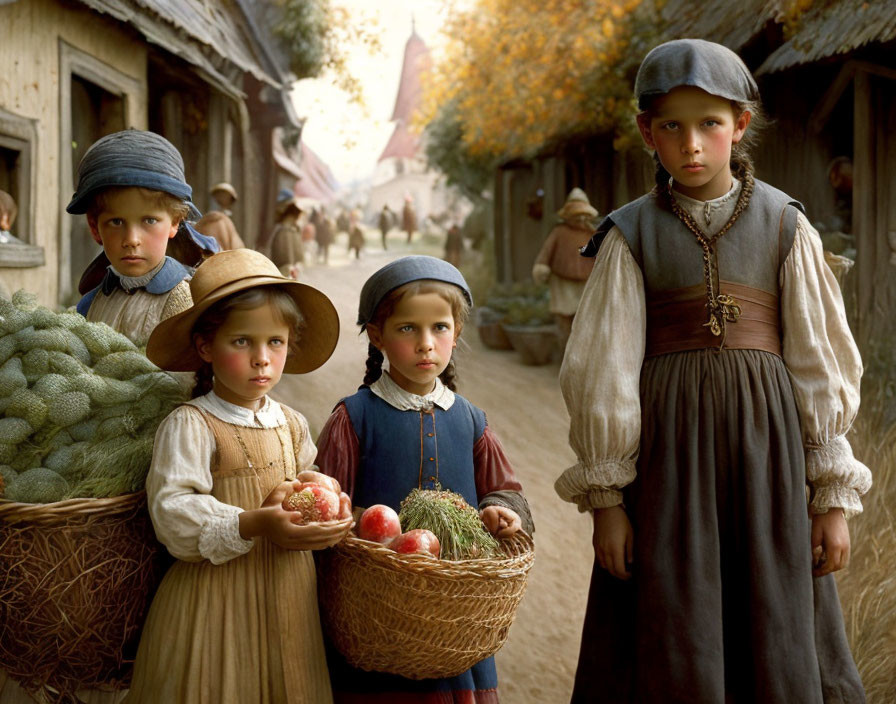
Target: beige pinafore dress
<point x="247" y="630"/>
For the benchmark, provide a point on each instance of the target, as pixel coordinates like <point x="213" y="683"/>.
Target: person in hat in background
<point x="224" y="195"/>
<point x="286" y="244"/>
<point x="236" y="619"/>
<point x="559" y="263"/>
<point x="408" y="417"/>
<point x="218" y="223"/>
<point x="710" y="376"/>
<point x="131" y="188"/>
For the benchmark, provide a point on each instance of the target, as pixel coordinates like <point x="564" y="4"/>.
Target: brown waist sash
<point x="675" y="321"/>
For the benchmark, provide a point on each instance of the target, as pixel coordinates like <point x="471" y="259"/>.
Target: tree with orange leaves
<point x="519" y="75"/>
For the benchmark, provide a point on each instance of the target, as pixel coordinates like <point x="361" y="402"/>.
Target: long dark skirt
<point x="722" y="607"/>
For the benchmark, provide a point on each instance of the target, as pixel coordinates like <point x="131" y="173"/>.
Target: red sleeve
<point x="491" y="466"/>
<point x="338" y="453"/>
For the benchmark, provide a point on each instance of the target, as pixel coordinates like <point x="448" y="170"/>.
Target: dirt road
<point x="525" y="409"/>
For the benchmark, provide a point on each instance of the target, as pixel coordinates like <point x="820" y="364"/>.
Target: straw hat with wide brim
<point x="226" y="188"/>
<point x="171" y="344"/>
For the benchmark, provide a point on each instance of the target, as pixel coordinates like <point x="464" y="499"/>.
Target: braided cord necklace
<point x="723" y="308"/>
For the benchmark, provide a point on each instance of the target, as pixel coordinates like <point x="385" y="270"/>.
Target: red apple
<point x="379" y="523"/>
<point x="314" y="502"/>
<point x="418" y="540"/>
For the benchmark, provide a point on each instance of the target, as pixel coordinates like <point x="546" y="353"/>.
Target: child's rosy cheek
<point x="230" y="362"/>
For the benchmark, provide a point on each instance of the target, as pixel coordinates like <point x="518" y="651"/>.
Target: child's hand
<point x="500" y="521"/>
<point x="830" y="542"/>
<point x="613" y="540"/>
<point x="281" y="491"/>
<point x="280" y="527"/>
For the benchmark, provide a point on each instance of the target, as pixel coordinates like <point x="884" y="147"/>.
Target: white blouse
<point x="601" y="371"/>
<point x="188" y="520"/>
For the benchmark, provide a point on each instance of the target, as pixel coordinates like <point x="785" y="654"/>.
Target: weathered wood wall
<point x="31" y="34"/>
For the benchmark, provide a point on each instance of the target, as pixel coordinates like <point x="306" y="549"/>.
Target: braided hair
<point x="460" y="309"/>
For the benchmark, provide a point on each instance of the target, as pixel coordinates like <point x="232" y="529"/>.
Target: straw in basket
<point x="416" y="616"/>
<point x="75" y="582"/>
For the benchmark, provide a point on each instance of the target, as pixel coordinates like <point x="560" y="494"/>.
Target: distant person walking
<point x="355" y="234"/>
<point x="454" y="245"/>
<point x="409" y="218"/>
<point x="324" y="235"/>
<point x="287" y="248"/>
<point x="386" y="220"/>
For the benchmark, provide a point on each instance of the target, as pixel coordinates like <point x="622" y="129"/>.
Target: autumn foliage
<point x="518" y="75"/>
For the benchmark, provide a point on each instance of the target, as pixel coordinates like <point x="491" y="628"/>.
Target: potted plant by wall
<point x="529" y="324"/>
<point x="489" y="318"/>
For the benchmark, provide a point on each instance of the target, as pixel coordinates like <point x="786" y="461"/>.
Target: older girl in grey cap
<point x="709" y="377"/>
<point x="406" y="428"/>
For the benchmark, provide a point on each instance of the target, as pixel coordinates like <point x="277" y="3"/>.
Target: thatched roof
<point x="835" y="28"/>
<point x="733" y="24"/>
<point x="216" y="38"/>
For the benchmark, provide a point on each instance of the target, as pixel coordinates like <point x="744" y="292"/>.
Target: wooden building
<point x="828" y="91"/>
<point x="201" y="73"/>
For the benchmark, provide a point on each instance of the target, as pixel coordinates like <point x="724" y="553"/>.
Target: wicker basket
<point x="416" y="616"/>
<point x="75" y="582"/>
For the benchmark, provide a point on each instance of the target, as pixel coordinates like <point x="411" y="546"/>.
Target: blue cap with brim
<point x="131" y="159"/>
<point x="404" y="271"/>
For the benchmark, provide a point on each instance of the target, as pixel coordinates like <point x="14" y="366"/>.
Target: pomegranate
<point x="379" y="523"/>
<point x="418" y="540"/>
<point x="345" y="506"/>
<point x="314" y="503"/>
<point x="326" y="481"/>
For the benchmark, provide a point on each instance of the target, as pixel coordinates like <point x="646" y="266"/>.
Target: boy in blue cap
<point x="132" y="189"/>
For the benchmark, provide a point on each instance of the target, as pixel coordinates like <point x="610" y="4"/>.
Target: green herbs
<point x="455" y="523"/>
<point x="79" y="406"/>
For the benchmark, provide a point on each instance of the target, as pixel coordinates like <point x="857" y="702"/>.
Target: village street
<point x="525" y="409"/>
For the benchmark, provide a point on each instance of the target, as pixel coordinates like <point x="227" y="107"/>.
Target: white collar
<point x="270" y="415"/>
<point x="711" y="215"/>
<point x="386" y="388"/>
<point x="129" y="282"/>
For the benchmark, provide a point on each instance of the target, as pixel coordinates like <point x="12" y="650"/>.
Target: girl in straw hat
<point x="559" y="262"/>
<point x="710" y="377"/>
<point x="235" y="619"/>
<point x="406" y="428"/>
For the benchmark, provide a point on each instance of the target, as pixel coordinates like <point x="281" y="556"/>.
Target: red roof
<point x="317" y="181"/>
<point x="410" y="89"/>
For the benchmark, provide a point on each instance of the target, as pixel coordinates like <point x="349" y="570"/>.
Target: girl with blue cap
<point x="132" y="189"/>
<point x="710" y="377"/>
<point x="406" y="428"/>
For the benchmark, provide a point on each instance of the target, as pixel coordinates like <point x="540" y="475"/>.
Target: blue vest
<point x="403" y="450"/>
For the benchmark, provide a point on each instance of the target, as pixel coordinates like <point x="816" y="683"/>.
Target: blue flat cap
<point x="694" y="62"/>
<point x="404" y="271"/>
<point x="131" y="158"/>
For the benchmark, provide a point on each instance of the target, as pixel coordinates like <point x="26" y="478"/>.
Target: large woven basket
<point x="75" y="582"/>
<point x="416" y="616"/>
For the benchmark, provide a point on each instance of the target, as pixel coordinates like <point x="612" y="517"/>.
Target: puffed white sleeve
<point x="600" y="379"/>
<point x="188" y="520"/>
<point x="825" y="370"/>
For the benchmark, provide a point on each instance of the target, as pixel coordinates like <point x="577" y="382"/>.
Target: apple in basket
<point x="316" y="503"/>
<point x="418" y="540"/>
<point x="379" y="523"/>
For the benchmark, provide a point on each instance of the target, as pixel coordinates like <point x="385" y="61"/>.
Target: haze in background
<point x="349" y="137"/>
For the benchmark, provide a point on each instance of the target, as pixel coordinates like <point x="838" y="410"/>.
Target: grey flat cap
<point x="694" y="62"/>
<point x="404" y="271"/>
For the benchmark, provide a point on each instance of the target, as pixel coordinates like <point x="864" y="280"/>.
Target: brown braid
<point x="722" y="307"/>
<point x="204" y="380"/>
<point x="374" y="365"/>
<point x="449" y="375"/>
